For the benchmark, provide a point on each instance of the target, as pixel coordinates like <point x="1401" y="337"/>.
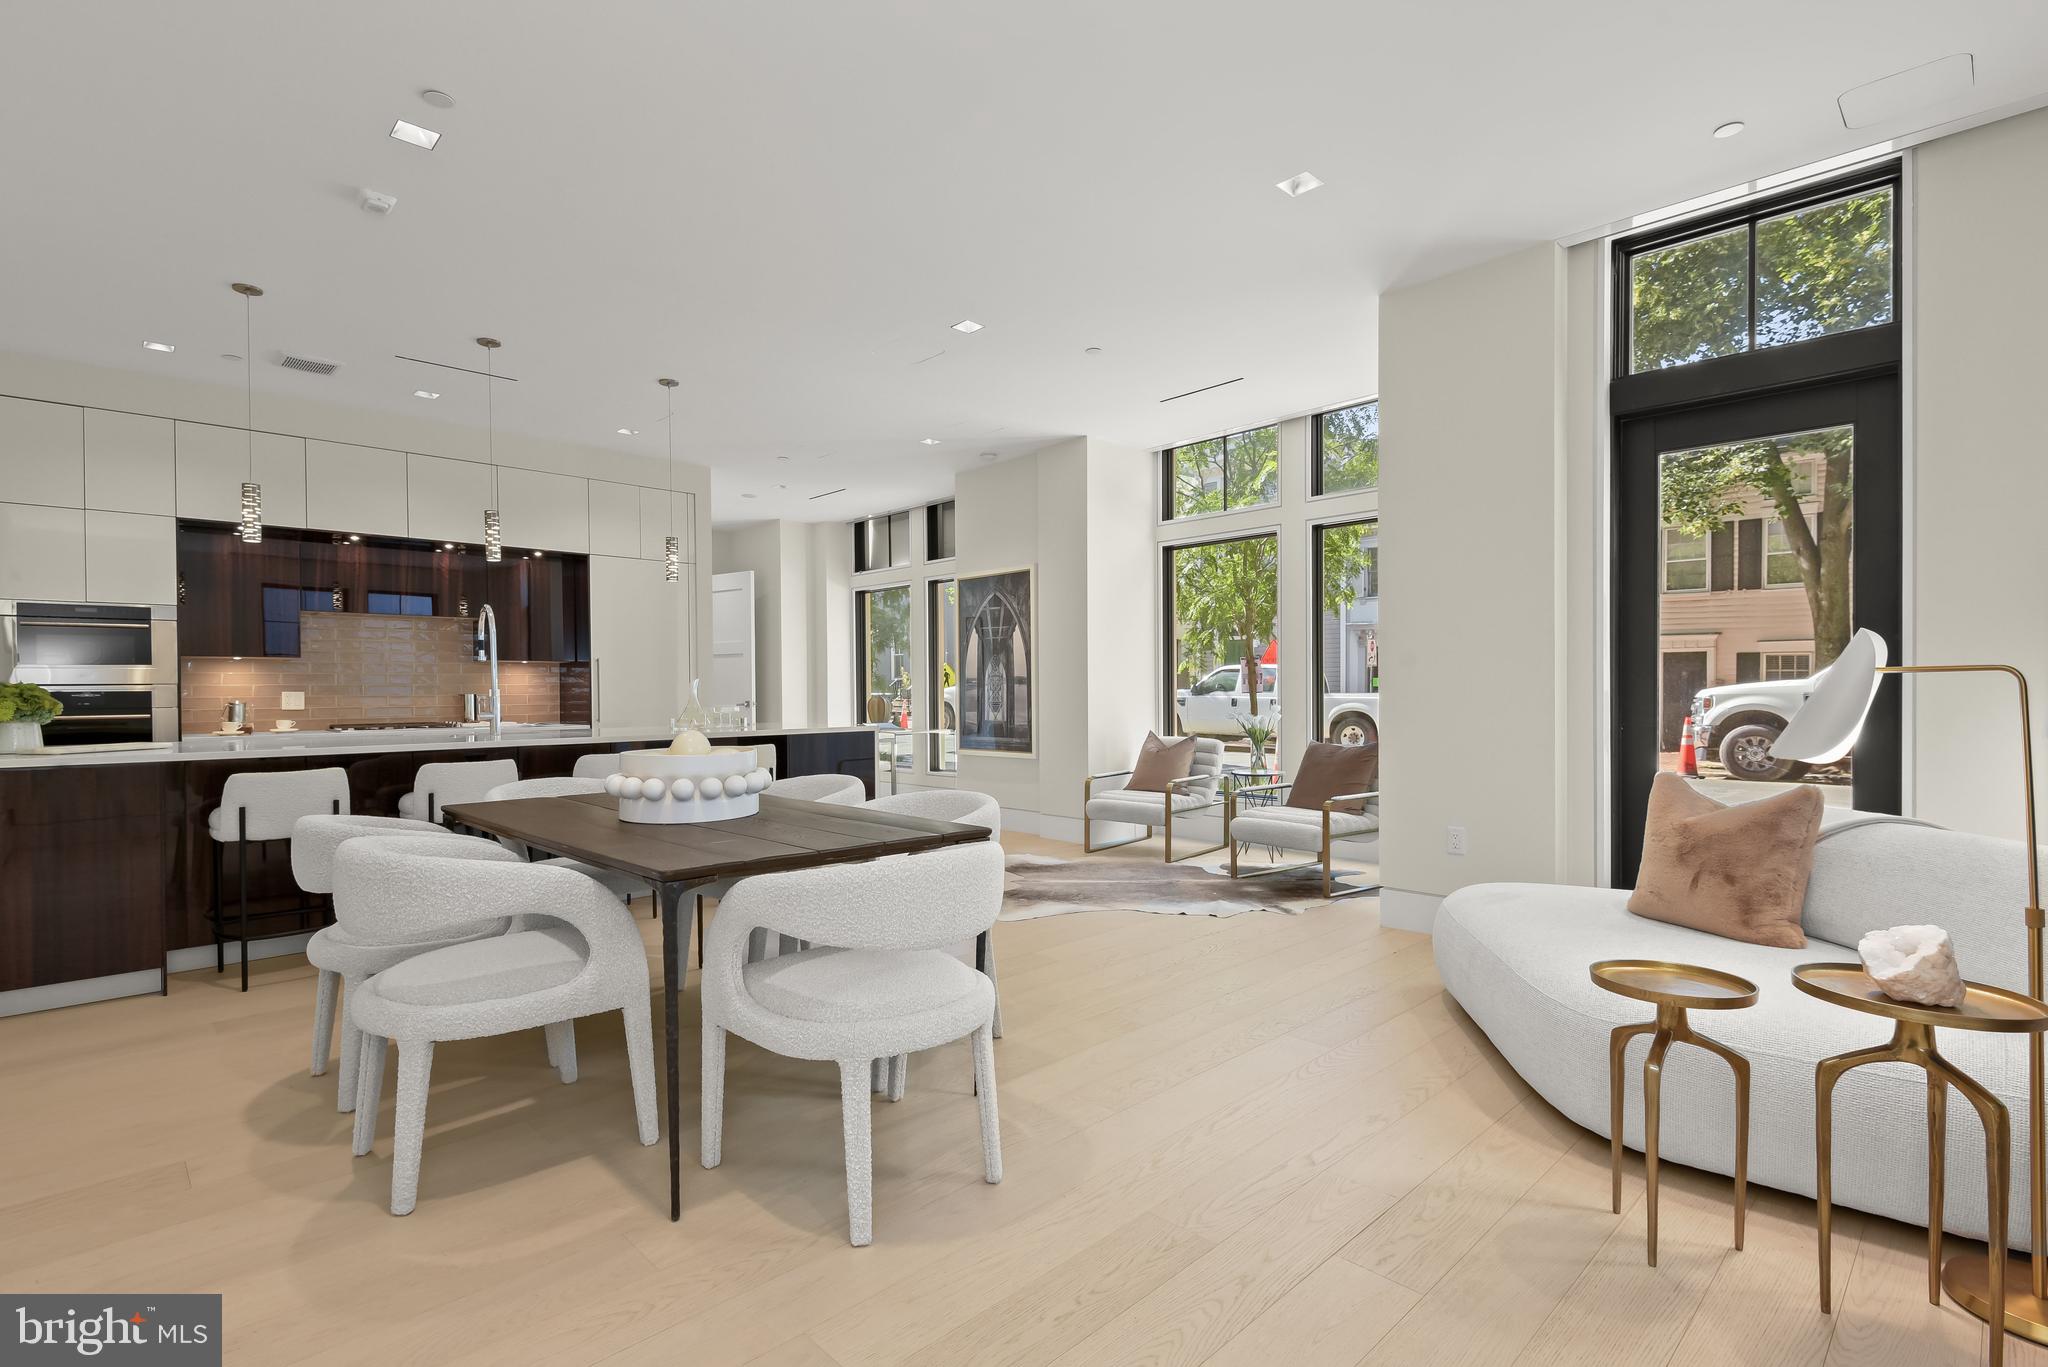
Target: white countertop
<point x="310" y="743"/>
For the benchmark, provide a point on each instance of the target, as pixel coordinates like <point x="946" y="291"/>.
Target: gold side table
<point x="1672" y="989"/>
<point x="1984" y="1008"/>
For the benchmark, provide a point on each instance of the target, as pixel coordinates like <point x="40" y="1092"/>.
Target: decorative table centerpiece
<point x="689" y="781"/>
<point x="23" y="709"/>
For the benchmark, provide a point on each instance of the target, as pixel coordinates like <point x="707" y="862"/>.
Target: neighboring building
<point x="1351" y="659"/>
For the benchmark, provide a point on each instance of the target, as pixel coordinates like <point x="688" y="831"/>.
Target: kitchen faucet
<point x="487" y="647"/>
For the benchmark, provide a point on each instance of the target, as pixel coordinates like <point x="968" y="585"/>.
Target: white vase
<point x="17" y="736"/>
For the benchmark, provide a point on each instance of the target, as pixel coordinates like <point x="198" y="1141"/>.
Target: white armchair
<point x="890" y="991"/>
<point x="1312" y="830"/>
<point x="584" y="957"/>
<point x="436" y="787"/>
<point x="623" y="886"/>
<point x="1105" y="798"/>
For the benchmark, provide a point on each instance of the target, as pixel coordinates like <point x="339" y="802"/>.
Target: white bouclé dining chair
<point x="573" y="951"/>
<point x="623" y="886"/>
<point x="890" y="988"/>
<point x="437" y="787"/>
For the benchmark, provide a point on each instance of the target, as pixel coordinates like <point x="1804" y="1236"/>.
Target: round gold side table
<point x="1672" y="989"/>
<point x="1984" y="1008"/>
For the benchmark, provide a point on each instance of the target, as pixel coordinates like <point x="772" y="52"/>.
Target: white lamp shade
<point x="1826" y="726"/>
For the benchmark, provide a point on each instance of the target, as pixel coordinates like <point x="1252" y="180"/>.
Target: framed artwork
<point x="998" y="641"/>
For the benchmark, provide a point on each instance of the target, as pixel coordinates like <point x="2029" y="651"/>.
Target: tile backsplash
<point x="356" y="666"/>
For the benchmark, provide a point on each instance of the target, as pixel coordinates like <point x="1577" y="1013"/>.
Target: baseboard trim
<point x="1401" y="909"/>
<point x="141" y="983"/>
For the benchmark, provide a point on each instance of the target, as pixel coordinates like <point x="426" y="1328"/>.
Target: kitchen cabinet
<point x="614" y="518"/>
<point x="213" y="461"/>
<point x="221" y="582"/>
<point x="541" y="606"/>
<point x="633" y="640"/>
<point x="42" y="453"/>
<point x="445" y="499"/>
<point x="357" y="489"/>
<point x="130" y="558"/>
<point x="131" y="464"/>
<point x="42" y="552"/>
<point x="657" y="523"/>
<point x="544" y="512"/>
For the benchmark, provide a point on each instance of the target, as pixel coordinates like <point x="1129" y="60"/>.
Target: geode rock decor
<point x="1913" y="964"/>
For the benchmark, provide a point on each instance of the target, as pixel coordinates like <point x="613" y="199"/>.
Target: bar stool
<point x="436" y="787"/>
<point x="260" y="809"/>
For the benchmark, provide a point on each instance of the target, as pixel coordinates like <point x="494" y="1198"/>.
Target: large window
<point x="1808" y="271"/>
<point x="1222" y="598"/>
<point x="938" y="530"/>
<point x="1347" y="645"/>
<point x="944" y="654"/>
<point x="1347" y="454"/>
<point x="882" y="619"/>
<point x="881" y="543"/>
<point x="1223" y="473"/>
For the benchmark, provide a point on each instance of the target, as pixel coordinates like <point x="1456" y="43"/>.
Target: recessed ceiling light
<point x="629" y="431"/>
<point x="158" y="346"/>
<point x="1299" y="185"/>
<point x="966" y="325"/>
<point x="425" y="394"/>
<point x="1729" y="130"/>
<point x="353" y="536"/>
<point x="414" y="134"/>
<point x="440" y="99"/>
<point x="447" y="545"/>
<point x="930" y="441"/>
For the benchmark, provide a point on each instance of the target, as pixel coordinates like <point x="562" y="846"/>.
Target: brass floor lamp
<point x="1823" y="730"/>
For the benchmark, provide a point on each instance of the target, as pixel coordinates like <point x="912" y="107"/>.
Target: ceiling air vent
<point x="309" y="364"/>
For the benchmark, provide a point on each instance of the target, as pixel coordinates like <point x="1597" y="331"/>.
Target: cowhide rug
<point x="1040" y="885"/>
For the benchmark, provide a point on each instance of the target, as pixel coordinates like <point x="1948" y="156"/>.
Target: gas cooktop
<point x="394" y="726"/>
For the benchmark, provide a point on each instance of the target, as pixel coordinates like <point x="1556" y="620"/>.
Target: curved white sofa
<point x="1515" y="957"/>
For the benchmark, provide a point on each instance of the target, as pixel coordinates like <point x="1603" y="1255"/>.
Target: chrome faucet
<point x="487" y="648"/>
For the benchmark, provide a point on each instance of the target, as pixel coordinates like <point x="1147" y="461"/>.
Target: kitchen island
<point x="106" y="867"/>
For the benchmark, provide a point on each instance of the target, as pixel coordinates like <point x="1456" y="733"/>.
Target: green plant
<point x="26" y="702"/>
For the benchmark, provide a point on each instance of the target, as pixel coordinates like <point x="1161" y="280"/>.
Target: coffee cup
<point x="284" y="726"/>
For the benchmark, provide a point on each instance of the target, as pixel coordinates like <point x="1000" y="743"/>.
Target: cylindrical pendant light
<point x="251" y="528"/>
<point x="494" y="544"/>
<point x="672" y="550"/>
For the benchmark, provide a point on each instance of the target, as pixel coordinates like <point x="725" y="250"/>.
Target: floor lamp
<point x="1822" y="731"/>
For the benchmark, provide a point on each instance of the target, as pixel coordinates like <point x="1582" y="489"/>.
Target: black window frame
<point x="1315" y="608"/>
<point x="862" y="662"/>
<point x="1315" y="452"/>
<point x="889" y="524"/>
<point x="1166" y="468"/>
<point x="1170" y="717"/>
<point x="941" y="534"/>
<point x="934" y="660"/>
<point x="1758" y="367"/>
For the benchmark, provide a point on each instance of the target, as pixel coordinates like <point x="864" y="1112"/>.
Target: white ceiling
<point x="787" y="205"/>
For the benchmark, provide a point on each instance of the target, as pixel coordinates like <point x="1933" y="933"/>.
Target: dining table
<point x="674" y="859"/>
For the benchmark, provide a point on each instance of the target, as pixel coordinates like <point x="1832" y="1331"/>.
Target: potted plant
<point x="1258" y="733"/>
<point x="23" y="710"/>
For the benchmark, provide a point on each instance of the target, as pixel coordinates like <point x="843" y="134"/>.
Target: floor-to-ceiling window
<point x="1220" y="611"/>
<point x="1346" y="585"/>
<point x="882" y="624"/>
<point x="943" y="623"/>
<point x="1757" y="491"/>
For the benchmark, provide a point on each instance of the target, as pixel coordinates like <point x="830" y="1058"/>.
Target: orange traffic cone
<point x="1688" y="757"/>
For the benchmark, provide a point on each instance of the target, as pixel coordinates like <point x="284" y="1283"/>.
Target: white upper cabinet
<point x="130" y="463"/>
<point x="445" y="499"/>
<point x="213" y="462"/>
<point x="360" y="489"/>
<point x="614" y="519"/>
<point x="42" y="453"/>
<point x="42" y="552"/>
<point x="657" y="524"/>
<point x="130" y="558"/>
<point x="634" y="617"/>
<point x="543" y="511"/>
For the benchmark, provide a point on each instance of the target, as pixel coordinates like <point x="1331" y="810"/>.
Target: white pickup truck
<point x="1217" y="703"/>
<point x="1736" y="724"/>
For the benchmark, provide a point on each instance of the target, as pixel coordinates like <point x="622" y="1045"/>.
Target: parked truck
<point x="1216" y="703"/>
<point x="1736" y="724"/>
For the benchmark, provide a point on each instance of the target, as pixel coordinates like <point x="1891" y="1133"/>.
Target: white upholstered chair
<point x="601" y="766"/>
<point x="623" y="886"/>
<point x="841" y="790"/>
<point x="967" y="809"/>
<point x="573" y="951"/>
<point x="1309" y="830"/>
<point x="436" y="787"/>
<point x="256" y="809"/>
<point x="341" y="952"/>
<point x="1105" y="798"/>
<point x="890" y="990"/>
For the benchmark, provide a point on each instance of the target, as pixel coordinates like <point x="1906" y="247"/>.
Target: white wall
<point x="1978" y="581"/>
<point x="779" y="554"/>
<point x="1472" y="474"/>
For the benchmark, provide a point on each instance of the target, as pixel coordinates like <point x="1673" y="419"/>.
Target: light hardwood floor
<point x="1263" y="1141"/>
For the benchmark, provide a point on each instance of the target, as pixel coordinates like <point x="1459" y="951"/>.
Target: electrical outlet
<point x="1454" y="840"/>
<point x="293" y="702"/>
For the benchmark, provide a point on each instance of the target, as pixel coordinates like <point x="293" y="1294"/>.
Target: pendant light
<point x="494" y="545"/>
<point x="251" y="528"/>
<point x="671" y="547"/>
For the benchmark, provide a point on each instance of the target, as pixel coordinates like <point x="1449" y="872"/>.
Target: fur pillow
<point x="1330" y="770"/>
<point x="1160" y="762"/>
<point x="1738" y="871"/>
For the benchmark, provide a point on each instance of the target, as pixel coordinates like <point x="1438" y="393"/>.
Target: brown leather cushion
<point x="1160" y="762"/>
<point x="1735" y="871"/>
<point x="1330" y="770"/>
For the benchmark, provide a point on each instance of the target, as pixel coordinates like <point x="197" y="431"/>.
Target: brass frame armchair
<point x="1331" y="891"/>
<point x="1167" y="814"/>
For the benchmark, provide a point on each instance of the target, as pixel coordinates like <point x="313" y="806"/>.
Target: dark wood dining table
<point x="674" y="860"/>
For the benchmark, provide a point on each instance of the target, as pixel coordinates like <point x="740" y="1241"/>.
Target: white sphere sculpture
<point x="710" y="787"/>
<point x="629" y="786"/>
<point x="757" y="780"/>
<point x="614" y="783"/>
<point x="735" y="784"/>
<point x="653" y="789"/>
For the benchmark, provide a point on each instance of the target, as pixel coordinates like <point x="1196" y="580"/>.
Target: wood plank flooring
<point x="1263" y="1141"/>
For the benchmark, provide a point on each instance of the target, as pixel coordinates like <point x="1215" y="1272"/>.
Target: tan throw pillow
<point x="1160" y="762"/>
<point x="1736" y="871"/>
<point x="1330" y="770"/>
